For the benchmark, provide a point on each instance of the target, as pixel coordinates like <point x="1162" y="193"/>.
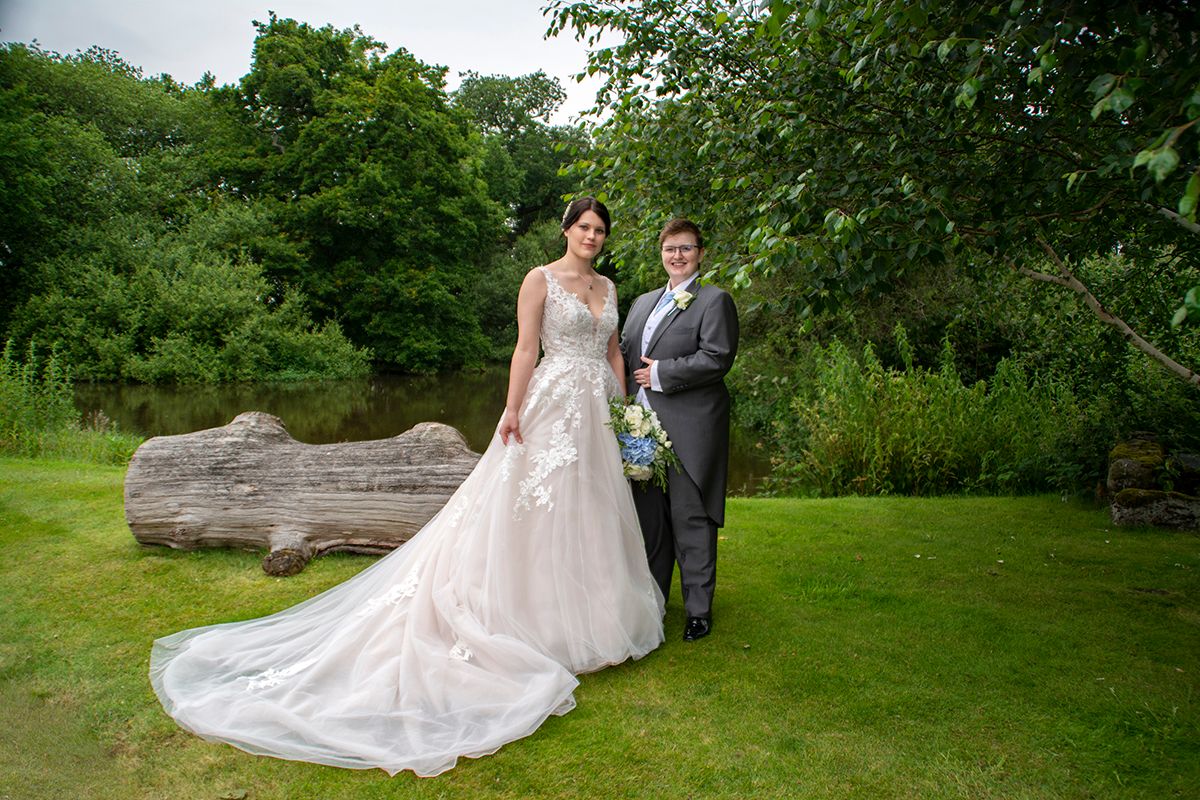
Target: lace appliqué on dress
<point x="511" y="453"/>
<point x="394" y="596"/>
<point x="456" y="513"/>
<point x="273" y="677"/>
<point x="460" y="651"/>
<point x="560" y="453"/>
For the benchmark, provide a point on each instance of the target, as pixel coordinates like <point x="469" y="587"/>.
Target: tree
<point x="525" y="151"/>
<point x="835" y="145"/>
<point x="508" y="106"/>
<point x="377" y="180"/>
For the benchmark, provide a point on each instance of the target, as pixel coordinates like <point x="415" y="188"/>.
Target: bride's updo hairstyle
<point x="581" y="204"/>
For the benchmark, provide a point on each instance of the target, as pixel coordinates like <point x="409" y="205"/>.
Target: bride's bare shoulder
<point x="535" y="282"/>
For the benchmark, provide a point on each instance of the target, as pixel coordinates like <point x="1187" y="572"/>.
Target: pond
<point x="346" y="411"/>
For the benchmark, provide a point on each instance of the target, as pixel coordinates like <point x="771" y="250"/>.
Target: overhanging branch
<point x="1067" y="279"/>
<point x="1186" y="223"/>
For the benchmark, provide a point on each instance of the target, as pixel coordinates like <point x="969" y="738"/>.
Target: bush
<point x="38" y="417"/>
<point x="178" y="309"/>
<point x="1048" y="388"/>
<point x="861" y="428"/>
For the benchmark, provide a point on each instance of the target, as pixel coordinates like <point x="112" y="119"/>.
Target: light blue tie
<point x="666" y="298"/>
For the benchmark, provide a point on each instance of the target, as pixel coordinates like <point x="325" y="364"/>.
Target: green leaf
<point x="944" y="48"/>
<point x="1035" y="76"/>
<point x="1187" y="207"/>
<point x="1102" y="85"/>
<point x="967" y="92"/>
<point x="720" y="19"/>
<point x="1120" y="100"/>
<point x="1181" y="315"/>
<point x="1142" y="49"/>
<point x="1164" y="163"/>
<point x="1189" y="201"/>
<point x="1191" y="106"/>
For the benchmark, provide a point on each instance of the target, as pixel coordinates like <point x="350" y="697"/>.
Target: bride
<point x="471" y="634"/>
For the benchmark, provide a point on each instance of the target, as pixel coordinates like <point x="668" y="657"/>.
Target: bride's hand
<point x="509" y="424"/>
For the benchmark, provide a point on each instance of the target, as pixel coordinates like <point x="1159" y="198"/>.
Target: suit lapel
<point x="644" y="307"/>
<point x="667" y="321"/>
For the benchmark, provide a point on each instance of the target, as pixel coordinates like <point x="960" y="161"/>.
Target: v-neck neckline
<point x="578" y="299"/>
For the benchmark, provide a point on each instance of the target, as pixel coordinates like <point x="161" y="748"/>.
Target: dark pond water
<point x="347" y="411"/>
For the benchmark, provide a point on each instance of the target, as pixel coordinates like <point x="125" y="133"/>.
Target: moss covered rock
<point x="1135" y="464"/>
<point x="1157" y="508"/>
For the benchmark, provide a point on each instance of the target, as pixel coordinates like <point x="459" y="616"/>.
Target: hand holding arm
<point x="716" y="348"/>
<point x="643" y="376"/>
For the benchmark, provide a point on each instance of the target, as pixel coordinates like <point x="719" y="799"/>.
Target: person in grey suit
<point x="678" y="342"/>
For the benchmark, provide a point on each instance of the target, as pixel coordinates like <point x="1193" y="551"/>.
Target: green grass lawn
<point x="973" y="648"/>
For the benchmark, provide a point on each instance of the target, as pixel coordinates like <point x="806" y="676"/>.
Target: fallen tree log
<point x="250" y="485"/>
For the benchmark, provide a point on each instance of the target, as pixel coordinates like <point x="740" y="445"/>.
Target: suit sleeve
<point x="627" y="332"/>
<point x="716" y="349"/>
<point x="629" y="347"/>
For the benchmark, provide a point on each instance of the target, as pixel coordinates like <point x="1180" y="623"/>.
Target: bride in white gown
<point x="470" y="635"/>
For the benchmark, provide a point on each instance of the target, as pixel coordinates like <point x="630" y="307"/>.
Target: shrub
<point x="861" y="428"/>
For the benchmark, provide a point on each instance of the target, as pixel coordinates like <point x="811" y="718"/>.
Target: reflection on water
<point x="346" y="411"/>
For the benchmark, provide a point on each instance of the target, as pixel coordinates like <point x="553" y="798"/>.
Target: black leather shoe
<point x="696" y="628"/>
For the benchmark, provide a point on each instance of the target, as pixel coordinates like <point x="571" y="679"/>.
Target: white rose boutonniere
<point x="683" y="299"/>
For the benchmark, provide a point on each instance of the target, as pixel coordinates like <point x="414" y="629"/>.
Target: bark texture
<point x="250" y="485"/>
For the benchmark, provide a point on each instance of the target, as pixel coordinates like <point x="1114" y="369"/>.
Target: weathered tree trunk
<point x="251" y="485"/>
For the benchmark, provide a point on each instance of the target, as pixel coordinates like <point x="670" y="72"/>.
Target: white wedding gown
<point x="470" y="635"/>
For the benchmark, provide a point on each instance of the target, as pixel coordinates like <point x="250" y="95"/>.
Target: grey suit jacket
<point x="694" y="348"/>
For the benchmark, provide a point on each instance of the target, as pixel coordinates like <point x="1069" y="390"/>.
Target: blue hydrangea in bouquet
<point x="645" y="449"/>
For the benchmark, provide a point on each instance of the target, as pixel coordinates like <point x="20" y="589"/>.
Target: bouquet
<point x="645" y="449"/>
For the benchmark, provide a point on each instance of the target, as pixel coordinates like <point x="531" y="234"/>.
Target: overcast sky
<point x="185" y="38"/>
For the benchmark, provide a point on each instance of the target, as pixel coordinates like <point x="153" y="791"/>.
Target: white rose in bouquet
<point x="638" y="473"/>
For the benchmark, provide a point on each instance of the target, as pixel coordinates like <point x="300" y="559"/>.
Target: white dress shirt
<point x="652" y="322"/>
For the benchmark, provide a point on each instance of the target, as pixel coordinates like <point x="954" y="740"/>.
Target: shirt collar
<point x="685" y="285"/>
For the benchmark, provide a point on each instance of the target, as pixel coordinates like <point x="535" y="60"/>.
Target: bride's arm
<point x="617" y="361"/>
<point x="615" y="357"/>
<point x="524" y="357"/>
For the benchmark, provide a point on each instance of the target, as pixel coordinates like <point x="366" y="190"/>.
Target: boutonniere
<point x="683" y="299"/>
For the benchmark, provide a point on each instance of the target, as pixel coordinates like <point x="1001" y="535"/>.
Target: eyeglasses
<point x="683" y="249"/>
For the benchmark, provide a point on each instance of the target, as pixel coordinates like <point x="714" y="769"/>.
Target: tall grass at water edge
<point x="38" y="417"/>
<point x="858" y="427"/>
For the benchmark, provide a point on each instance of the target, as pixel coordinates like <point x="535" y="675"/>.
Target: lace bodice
<point x="568" y="327"/>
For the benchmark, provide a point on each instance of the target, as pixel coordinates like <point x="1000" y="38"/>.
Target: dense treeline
<point x="336" y="210"/>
